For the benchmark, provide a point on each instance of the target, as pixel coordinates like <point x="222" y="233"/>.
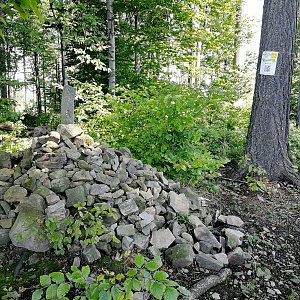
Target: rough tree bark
<point x="267" y="139"/>
<point x="112" y="47"/>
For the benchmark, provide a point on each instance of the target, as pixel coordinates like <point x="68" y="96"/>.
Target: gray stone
<point x="203" y="234"/>
<point x="146" y="218"/>
<point x="26" y="159"/>
<point x="52" y="161"/>
<point x="128" y="207"/>
<point x="236" y="257"/>
<point x="206" y="261"/>
<point x="234" y="238"/>
<point x="6" y="174"/>
<point x="141" y="296"/>
<point x="104" y="247"/>
<point x="35" y="201"/>
<point x="141" y="241"/>
<point x="20" y="180"/>
<point x="180" y="256"/>
<point x="6" y="207"/>
<point x="72" y="154"/>
<point x="192" y="197"/>
<point x="4" y="236"/>
<point x="27" y="232"/>
<point x="98" y="189"/>
<point x="5" y="161"/>
<point x="122" y="173"/>
<point x="52" y="199"/>
<point x="91" y="253"/>
<point x="67" y="105"/>
<point x="75" y="195"/>
<point x="162" y="238"/>
<point x="69" y="131"/>
<point x="234" y="221"/>
<point x="15" y="194"/>
<point x="58" y="174"/>
<point x="195" y="221"/>
<point x="179" y="203"/>
<point x="6" y="223"/>
<point x="125" y="230"/>
<point x="221" y="257"/>
<point x="205" y="247"/>
<point x="60" y="185"/>
<point x="43" y="191"/>
<point x="187" y="237"/>
<point x="127" y="243"/>
<point x="82" y="164"/>
<point x="82" y="176"/>
<point x="57" y="210"/>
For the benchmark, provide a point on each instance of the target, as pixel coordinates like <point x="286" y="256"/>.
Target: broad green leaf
<point x="63" y="289"/>
<point x="51" y="291"/>
<point x="37" y="294"/>
<point x="57" y="277"/>
<point x="136" y="285"/>
<point x="45" y="280"/>
<point x="128" y="285"/>
<point x="152" y="265"/>
<point x="160" y="275"/>
<point x="139" y="260"/>
<point x="145" y="274"/>
<point x="157" y="289"/>
<point x="131" y="273"/>
<point x="85" y="271"/>
<point x="171" y="294"/>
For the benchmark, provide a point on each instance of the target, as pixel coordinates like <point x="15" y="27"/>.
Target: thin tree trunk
<point x="25" y="79"/>
<point x="267" y="140"/>
<point x="111" y="48"/>
<point x="298" y="111"/>
<point x="37" y="83"/>
<point x="137" y="56"/>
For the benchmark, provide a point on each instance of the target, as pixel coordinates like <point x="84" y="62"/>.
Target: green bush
<point x="189" y="134"/>
<point x="143" y="276"/>
<point x="7" y="110"/>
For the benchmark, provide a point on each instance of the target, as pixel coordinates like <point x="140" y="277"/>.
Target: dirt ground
<point x="272" y="237"/>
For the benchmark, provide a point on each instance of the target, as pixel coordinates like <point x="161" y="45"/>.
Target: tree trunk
<point x="267" y="140"/>
<point x="37" y="83"/>
<point x="298" y="111"/>
<point x="137" y="57"/>
<point x="112" y="47"/>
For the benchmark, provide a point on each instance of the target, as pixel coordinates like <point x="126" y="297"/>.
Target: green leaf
<point x="51" y="291"/>
<point x="57" y="277"/>
<point x="184" y="291"/>
<point x="131" y="273"/>
<point x="85" y="271"/>
<point x="37" y="294"/>
<point x="63" y="289"/>
<point x="45" y="280"/>
<point x="160" y="275"/>
<point x="145" y="274"/>
<point x="171" y="294"/>
<point x="157" y="289"/>
<point x="139" y="260"/>
<point x="128" y="285"/>
<point x="152" y="265"/>
<point x="136" y="285"/>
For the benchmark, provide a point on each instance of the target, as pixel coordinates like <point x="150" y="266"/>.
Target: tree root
<point x="207" y="283"/>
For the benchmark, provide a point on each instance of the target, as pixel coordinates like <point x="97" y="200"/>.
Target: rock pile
<point x="66" y="167"/>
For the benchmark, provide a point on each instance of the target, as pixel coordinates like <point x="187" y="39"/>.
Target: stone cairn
<point x="66" y="166"/>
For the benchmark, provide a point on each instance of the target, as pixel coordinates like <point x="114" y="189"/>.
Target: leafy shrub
<point x="187" y="133"/>
<point x="144" y="276"/>
<point x="7" y="110"/>
<point x="86" y="224"/>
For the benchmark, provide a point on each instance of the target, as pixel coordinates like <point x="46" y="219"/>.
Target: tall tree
<point x="267" y="140"/>
<point x="112" y="47"/>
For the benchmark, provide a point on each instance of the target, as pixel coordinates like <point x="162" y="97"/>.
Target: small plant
<point x="292" y="295"/>
<point x="144" y="276"/>
<point x="256" y="179"/>
<point x="86" y="224"/>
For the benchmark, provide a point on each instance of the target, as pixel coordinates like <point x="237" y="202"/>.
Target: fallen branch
<point x="207" y="283"/>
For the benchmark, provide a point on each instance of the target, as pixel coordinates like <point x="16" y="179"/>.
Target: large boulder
<point x="181" y="255"/>
<point x="27" y="231"/>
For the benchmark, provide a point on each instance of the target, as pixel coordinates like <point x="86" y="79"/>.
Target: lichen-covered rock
<point x="162" y="238"/>
<point x="180" y="256"/>
<point x="75" y="195"/>
<point x="27" y="231"/>
<point x="69" y="131"/>
<point x="15" y="194"/>
<point x="5" y="161"/>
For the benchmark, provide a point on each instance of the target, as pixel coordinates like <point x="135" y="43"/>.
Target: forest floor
<point x="272" y="238"/>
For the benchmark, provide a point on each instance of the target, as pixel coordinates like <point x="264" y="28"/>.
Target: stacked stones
<point x="155" y="214"/>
